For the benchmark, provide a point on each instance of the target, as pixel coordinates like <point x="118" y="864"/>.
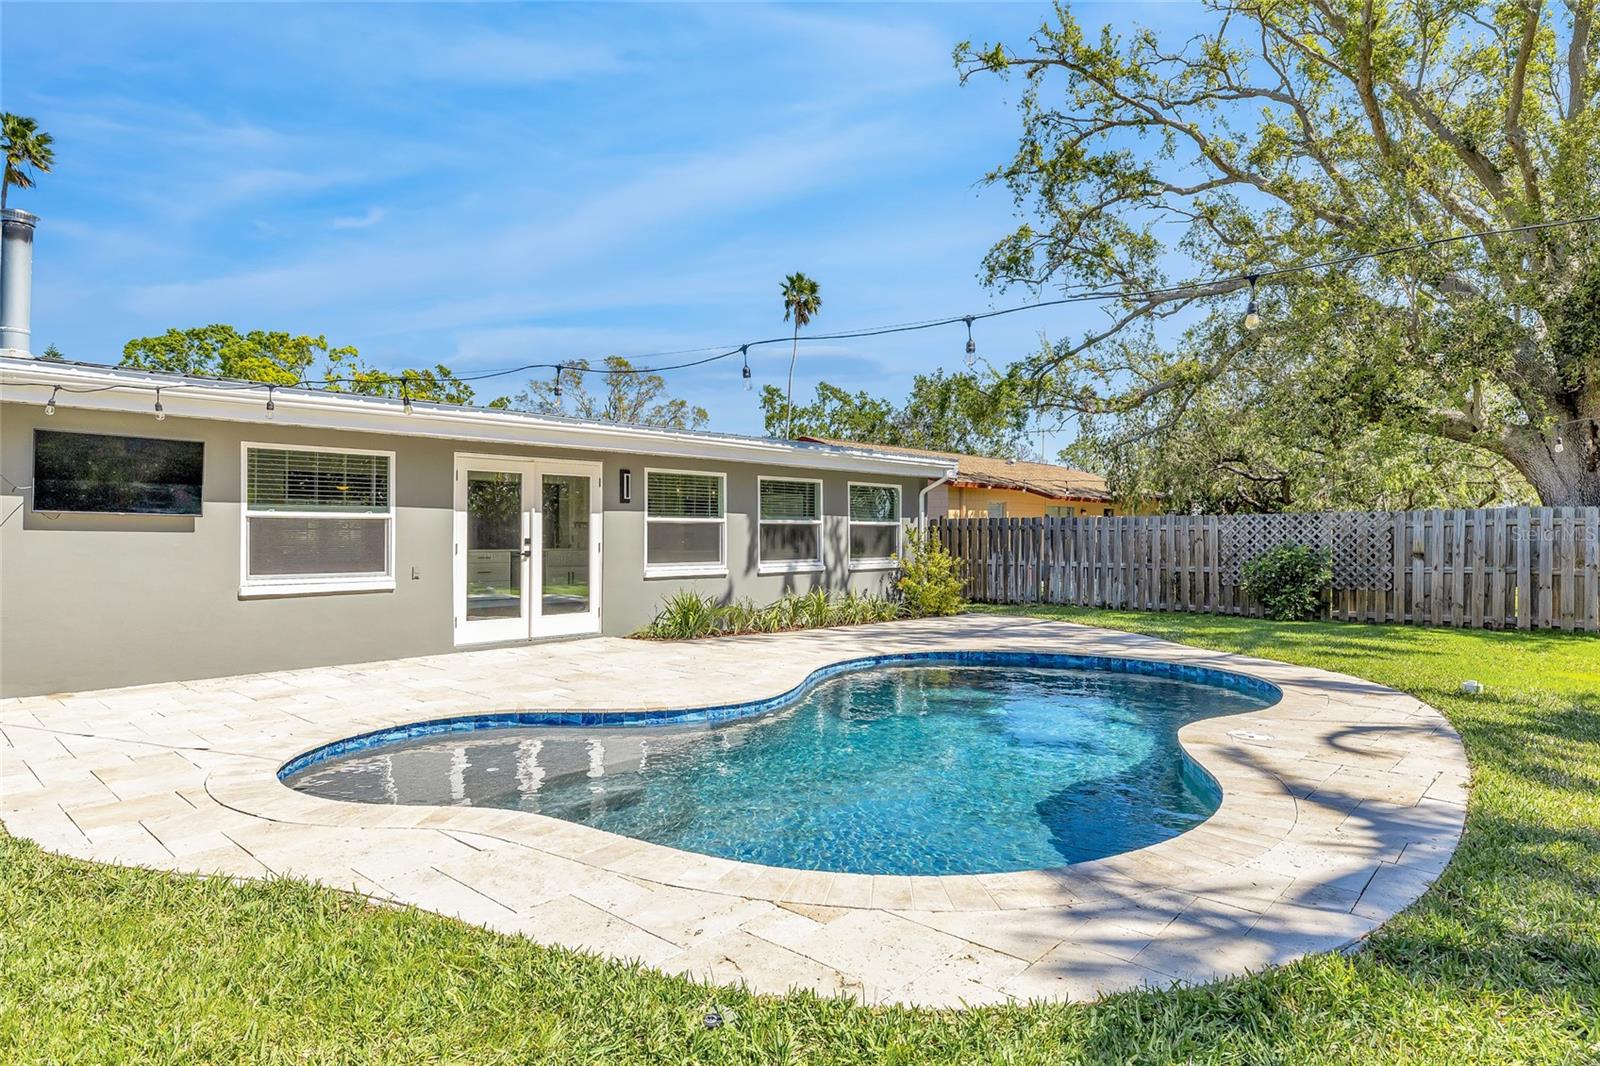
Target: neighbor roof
<point x="982" y="471"/>
<point x="93" y="386"/>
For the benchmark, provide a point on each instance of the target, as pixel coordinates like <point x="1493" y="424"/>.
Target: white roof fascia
<point x="29" y="381"/>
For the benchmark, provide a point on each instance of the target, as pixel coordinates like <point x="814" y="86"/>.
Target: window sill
<point x="806" y="566"/>
<point x="313" y="588"/>
<point x="691" y="571"/>
<point x="874" y="564"/>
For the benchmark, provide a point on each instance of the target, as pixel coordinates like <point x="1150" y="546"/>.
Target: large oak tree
<point x="1293" y="132"/>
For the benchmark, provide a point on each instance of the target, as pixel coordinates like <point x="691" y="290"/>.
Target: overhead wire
<point x="1215" y="286"/>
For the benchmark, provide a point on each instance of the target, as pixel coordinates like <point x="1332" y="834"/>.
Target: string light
<point x="161" y="416"/>
<point x="271" y="407"/>
<point x="405" y="397"/>
<point x="744" y="353"/>
<point x="50" y="404"/>
<point x="1558" y="445"/>
<point x="1252" y="319"/>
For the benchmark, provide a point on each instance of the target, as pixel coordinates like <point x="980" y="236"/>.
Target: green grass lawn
<point x="1499" y="962"/>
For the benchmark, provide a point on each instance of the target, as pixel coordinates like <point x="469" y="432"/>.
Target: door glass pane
<point x="494" y="544"/>
<point x="564" y="569"/>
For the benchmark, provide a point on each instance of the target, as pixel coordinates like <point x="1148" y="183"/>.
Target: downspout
<point x="922" y="500"/>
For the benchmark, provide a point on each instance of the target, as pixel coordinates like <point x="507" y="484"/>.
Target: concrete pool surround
<point x="1341" y="802"/>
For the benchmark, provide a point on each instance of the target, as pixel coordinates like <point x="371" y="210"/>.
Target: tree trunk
<point x="788" y="396"/>
<point x="1568" y="478"/>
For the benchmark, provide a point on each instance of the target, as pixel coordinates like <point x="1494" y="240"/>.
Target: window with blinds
<point x="685" y="523"/>
<point x="790" y="524"/>
<point x="316" y="481"/>
<point x="316" y="520"/>
<point x="874" y="525"/>
<point x="675" y="495"/>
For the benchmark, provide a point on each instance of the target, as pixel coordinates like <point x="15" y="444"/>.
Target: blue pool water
<point x="908" y="769"/>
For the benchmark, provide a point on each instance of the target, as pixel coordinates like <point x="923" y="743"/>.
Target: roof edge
<point x="104" y="388"/>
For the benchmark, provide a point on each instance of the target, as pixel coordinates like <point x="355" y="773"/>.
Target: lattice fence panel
<point x="1361" y="544"/>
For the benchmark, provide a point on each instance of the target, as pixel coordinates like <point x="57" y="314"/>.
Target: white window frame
<point x="718" y="569"/>
<point x="890" y="562"/>
<point x="789" y="566"/>
<point x="310" y="584"/>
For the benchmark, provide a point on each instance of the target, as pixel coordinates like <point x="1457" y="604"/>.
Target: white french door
<point x="527" y="548"/>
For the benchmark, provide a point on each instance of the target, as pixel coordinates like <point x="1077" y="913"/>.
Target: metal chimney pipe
<point x="16" y="282"/>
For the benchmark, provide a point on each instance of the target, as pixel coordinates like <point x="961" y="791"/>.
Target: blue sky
<point x="492" y="185"/>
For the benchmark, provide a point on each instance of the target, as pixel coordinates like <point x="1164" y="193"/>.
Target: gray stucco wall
<point x="95" y="601"/>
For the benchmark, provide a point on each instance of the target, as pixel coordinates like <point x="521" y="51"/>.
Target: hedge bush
<point x="1290" y="580"/>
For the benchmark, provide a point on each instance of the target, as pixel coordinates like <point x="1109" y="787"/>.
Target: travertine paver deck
<point x="1341" y="804"/>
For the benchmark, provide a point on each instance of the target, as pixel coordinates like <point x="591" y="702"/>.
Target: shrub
<point x="741" y="617"/>
<point x="931" y="578"/>
<point x="813" y="610"/>
<point x="688" y="615"/>
<point x="1289" y="580"/>
<point x="685" y="616"/>
<point x="782" y="614"/>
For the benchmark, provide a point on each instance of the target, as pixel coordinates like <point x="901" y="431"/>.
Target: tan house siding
<point x="975" y="502"/>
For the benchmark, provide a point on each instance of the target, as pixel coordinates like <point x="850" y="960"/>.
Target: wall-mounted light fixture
<point x="625" y="486"/>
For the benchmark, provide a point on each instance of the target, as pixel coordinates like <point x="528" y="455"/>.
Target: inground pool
<point x="939" y="764"/>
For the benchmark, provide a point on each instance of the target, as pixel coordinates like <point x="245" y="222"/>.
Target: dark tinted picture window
<point x="116" y="475"/>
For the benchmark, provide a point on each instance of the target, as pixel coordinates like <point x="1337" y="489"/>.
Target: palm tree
<point x="26" y="146"/>
<point x="801" y="301"/>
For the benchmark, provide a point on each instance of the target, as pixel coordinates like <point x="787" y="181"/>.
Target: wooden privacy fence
<point x="1502" y="568"/>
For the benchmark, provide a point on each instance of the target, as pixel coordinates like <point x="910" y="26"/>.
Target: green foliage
<point x="279" y="358"/>
<point x="976" y="414"/>
<point x="53" y="354"/>
<point x="629" y="396"/>
<point x="802" y="299"/>
<point x="1289" y="580"/>
<point x="834" y="414"/>
<point x="27" y="148"/>
<point x="687" y="615"/>
<point x="1285" y="438"/>
<point x="931" y="579"/>
<point x="1297" y="132"/>
<point x="219" y="350"/>
<point x="1496" y="963"/>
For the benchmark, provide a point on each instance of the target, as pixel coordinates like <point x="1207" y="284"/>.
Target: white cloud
<point x="371" y="217"/>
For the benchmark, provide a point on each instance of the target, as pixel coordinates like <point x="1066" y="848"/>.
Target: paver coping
<point x="1340" y="804"/>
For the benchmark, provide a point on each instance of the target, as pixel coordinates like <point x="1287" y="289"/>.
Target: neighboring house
<point x="1007" y="488"/>
<point x="226" y="538"/>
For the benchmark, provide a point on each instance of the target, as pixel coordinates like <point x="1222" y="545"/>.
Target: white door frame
<point x="530" y="622"/>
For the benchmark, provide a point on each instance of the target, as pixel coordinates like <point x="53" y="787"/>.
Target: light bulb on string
<point x="271" y="407"/>
<point x="1558" y="445"/>
<point x="161" y="415"/>
<point x="972" y="345"/>
<point x="1252" y="317"/>
<point x="50" y="404"/>
<point x="744" y="353"/>
<point x="405" y="397"/>
<point x="558" y="383"/>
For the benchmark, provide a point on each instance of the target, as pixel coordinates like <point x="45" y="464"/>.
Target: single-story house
<point x="158" y="527"/>
<point x="986" y="487"/>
